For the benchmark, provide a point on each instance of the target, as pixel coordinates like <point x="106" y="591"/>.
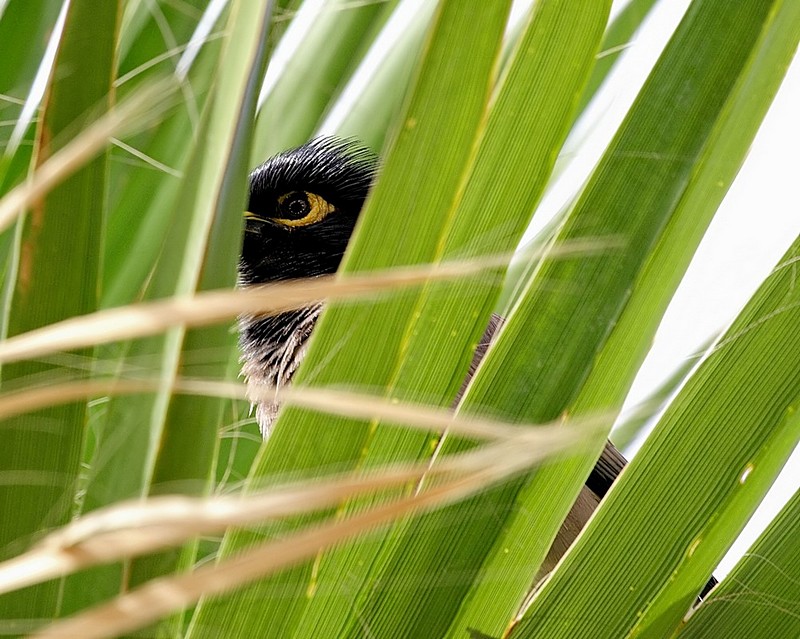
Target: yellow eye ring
<point x="318" y="208"/>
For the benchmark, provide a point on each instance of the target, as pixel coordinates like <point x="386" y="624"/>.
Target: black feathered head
<point x="303" y="207"/>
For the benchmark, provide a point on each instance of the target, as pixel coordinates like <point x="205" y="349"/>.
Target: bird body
<point x="272" y="349"/>
<point x="303" y="207"/>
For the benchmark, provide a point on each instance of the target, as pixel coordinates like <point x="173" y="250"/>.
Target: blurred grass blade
<point x="215" y="306"/>
<point x="26" y="27"/>
<point x="759" y="598"/>
<point x="65" y="226"/>
<point x="136" y="112"/>
<point x="199" y="252"/>
<point x="143" y="196"/>
<point x="135" y="528"/>
<point x="330" y="402"/>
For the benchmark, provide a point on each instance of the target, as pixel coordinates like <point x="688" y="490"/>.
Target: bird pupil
<point x="297" y="207"/>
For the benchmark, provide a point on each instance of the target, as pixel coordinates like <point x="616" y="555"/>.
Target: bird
<point x="302" y="209"/>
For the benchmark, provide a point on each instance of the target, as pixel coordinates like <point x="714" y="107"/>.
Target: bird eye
<point x="301" y="208"/>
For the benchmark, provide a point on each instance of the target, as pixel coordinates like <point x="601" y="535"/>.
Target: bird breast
<point x="272" y="349"/>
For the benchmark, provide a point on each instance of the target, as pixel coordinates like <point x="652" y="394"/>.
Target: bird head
<point x="302" y="210"/>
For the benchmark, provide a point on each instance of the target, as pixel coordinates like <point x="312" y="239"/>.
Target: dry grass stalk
<point x="134" y="528"/>
<point x="151" y="318"/>
<point x="337" y="402"/>
<point x="160" y="597"/>
<point x="138" y="112"/>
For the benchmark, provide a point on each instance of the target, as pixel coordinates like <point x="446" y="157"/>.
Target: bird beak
<point x="252" y="216"/>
